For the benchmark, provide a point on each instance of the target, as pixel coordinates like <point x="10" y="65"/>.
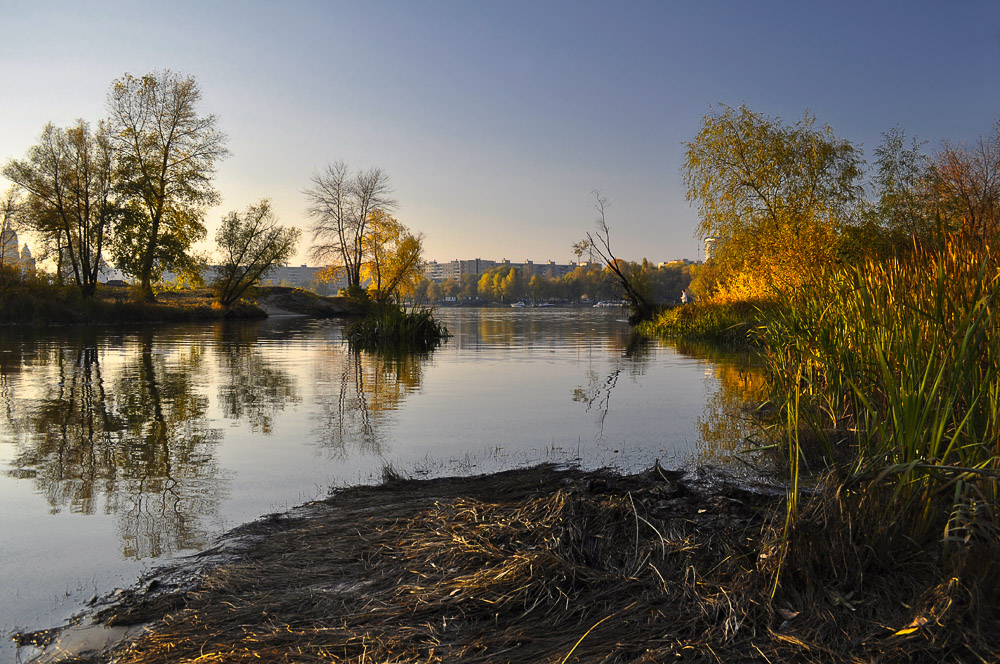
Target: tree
<point x="900" y="183"/>
<point x="634" y="288"/>
<point x="774" y="194"/>
<point x="485" y="287"/>
<point x="433" y="292"/>
<point x="583" y="247"/>
<point x="251" y="245"/>
<point x="966" y="185"/>
<point x="420" y="289"/>
<point x="168" y="153"/>
<point x="341" y="204"/>
<point x="470" y="287"/>
<point x="72" y="202"/>
<point x="511" y="287"/>
<point x="392" y="256"/>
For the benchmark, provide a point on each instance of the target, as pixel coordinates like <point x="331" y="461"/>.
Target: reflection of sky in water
<point x="119" y="447"/>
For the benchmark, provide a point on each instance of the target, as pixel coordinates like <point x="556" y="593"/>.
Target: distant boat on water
<point x="518" y="305"/>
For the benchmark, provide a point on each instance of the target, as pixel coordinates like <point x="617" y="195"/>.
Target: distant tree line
<point x="510" y="284"/>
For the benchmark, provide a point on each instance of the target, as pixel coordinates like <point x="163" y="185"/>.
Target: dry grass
<point x="547" y="566"/>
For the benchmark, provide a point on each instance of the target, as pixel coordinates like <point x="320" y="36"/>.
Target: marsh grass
<point x="720" y="322"/>
<point x="895" y="368"/>
<point x="388" y="325"/>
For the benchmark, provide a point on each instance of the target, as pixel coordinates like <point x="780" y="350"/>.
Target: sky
<point x="497" y="120"/>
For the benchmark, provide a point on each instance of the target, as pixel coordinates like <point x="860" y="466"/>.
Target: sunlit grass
<point x="724" y="322"/>
<point x="894" y="368"/>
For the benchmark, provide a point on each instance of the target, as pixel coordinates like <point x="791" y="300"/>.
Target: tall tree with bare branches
<point x="966" y="182"/>
<point x="341" y="205"/>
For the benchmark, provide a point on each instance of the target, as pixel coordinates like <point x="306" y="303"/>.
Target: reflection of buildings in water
<point x="135" y="437"/>
<point x="359" y="391"/>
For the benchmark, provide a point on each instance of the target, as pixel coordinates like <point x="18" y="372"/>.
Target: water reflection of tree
<point x="139" y="439"/>
<point x="727" y="425"/>
<point x="631" y="358"/>
<point x="360" y="389"/>
<point x="253" y="389"/>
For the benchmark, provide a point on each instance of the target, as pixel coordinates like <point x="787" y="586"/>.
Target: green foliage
<point x="390" y="326"/>
<point x="167" y="154"/>
<point x="72" y="202"/>
<point x="251" y="245"/>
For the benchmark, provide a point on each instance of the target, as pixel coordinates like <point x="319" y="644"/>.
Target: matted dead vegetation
<point x="543" y="565"/>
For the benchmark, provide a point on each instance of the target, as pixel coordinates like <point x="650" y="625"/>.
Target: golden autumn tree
<point x="775" y="194"/>
<point x="392" y="257"/>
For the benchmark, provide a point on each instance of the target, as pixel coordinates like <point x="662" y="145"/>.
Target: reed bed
<point x="719" y="322"/>
<point x="548" y="566"/>
<point x="390" y="326"/>
<point x="888" y="374"/>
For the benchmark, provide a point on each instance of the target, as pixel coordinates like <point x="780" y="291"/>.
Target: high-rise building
<point x="11" y="253"/>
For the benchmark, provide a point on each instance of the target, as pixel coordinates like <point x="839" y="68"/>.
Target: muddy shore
<point x="536" y="565"/>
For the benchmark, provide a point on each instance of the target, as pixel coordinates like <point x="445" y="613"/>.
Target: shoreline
<point x="113" y="305"/>
<point x="537" y="564"/>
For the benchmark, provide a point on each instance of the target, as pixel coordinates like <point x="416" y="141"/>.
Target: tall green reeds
<point x="894" y="368"/>
<point x="389" y="326"/>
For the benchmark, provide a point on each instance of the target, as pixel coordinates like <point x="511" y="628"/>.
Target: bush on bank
<point x="35" y="299"/>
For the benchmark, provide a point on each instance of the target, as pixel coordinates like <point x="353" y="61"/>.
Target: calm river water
<point x="120" y="448"/>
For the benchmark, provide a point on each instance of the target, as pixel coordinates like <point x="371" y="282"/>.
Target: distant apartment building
<point x="456" y="269"/>
<point x="11" y="252"/>
<point x="711" y="246"/>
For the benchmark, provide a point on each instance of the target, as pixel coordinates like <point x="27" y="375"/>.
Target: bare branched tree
<point x="967" y="184"/>
<point x="642" y="308"/>
<point x="341" y="203"/>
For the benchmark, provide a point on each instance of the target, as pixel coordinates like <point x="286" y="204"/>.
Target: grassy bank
<point x="39" y="302"/>
<point x="720" y="322"/>
<point x="547" y="566"/>
<point x="884" y="384"/>
<point x="888" y="375"/>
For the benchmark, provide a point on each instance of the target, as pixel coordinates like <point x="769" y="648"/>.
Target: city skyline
<point x="497" y="121"/>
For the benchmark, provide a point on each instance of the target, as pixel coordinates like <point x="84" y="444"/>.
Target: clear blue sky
<point x="495" y="120"/>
